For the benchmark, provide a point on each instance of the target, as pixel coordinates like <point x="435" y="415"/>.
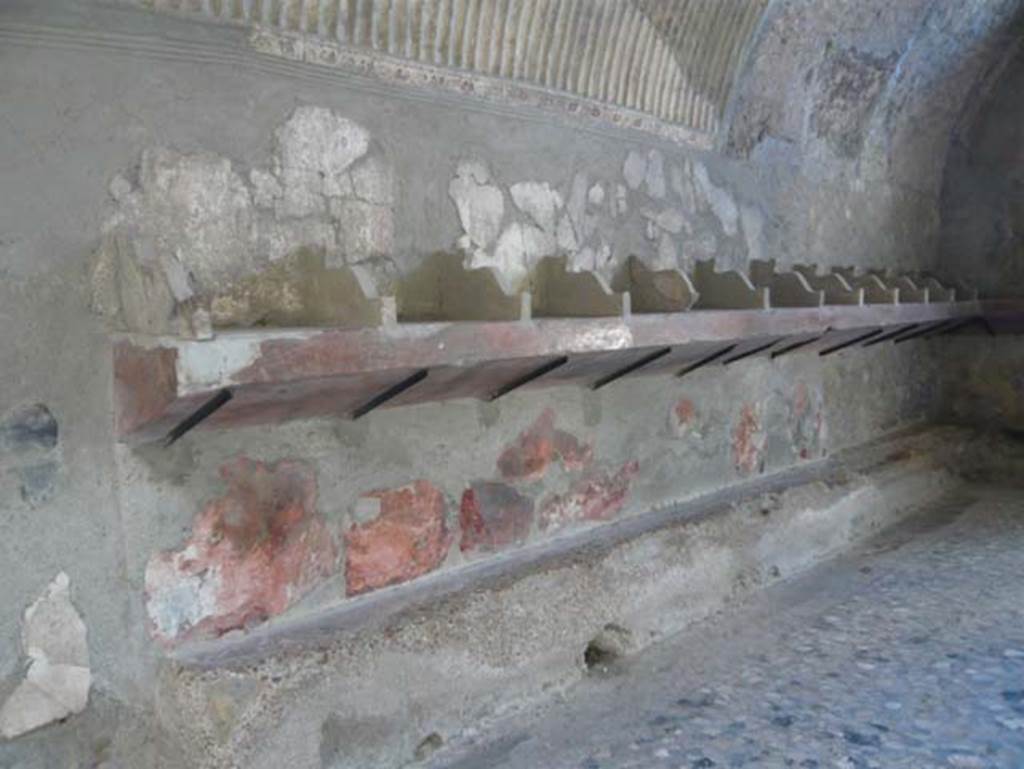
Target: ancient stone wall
<point x="169" y="173"/>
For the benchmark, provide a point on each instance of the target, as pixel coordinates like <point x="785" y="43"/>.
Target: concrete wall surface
<point x="164" y="165"/>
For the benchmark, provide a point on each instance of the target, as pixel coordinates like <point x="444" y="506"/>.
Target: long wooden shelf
<point x="166" y="386"/>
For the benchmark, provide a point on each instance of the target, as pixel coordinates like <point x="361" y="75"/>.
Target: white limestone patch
<point x="565" y="235"/>
<point x="681" y="179"/>
<point x="634" y="170"/>
<point x="481" y="206"/>
<point x="175" y="601"/>
<point x="198" y="208"/>
<point x="667" y="253"/>
<point x="193" y="226"/>
<point x="203" y="366"/>
<point x="590" y="258"/>
<point x="753" y="231"/>
<point x="178" y="278"/>
<point x="519" y="249"/>
<point x="276" y="238"/>
<point x="266" y="189"/>
<point x="315" y="148"/>
<point x="577" y="207"/>
<point x="654" y="178"/>
<point x="670" y="220"/>
<point x="538" y="201"/>
<point x="373" y="182"/>
<point x="57" y="682"/>
<point x="365" y="230"/>
<point x="119" y="188"/>
<point x="718" y="199"/>
<point x="621" y="205"/>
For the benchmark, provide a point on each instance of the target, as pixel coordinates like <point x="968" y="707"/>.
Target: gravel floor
<point x="908" y="653"/>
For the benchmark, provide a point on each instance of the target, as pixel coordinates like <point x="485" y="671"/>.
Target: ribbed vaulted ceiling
<point x="672" y="59"/>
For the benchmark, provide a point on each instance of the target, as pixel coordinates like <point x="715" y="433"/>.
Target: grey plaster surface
<point x="983" y="193"/>
<point x="907" y="653"/>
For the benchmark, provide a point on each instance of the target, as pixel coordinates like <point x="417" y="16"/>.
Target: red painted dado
<point x="253" y="552"/>
<point x="748" y="440"/>
<point x="408" y="538"/>
<point x="598" y="496"/>
<point x="685" y="411"/>
<point x="807" y="421"/>
<point x="493" y="516"/>
<point x="538" y="446"/>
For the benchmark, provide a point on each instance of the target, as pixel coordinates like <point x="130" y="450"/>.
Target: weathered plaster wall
<point x="983" y="194"/>
<point x="151" y="162"/>
<point x="983" y="239"/>
<point x="847" y="110"/>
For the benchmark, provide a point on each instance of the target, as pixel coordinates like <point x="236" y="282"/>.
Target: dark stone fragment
<point x="1016" y="699"/>
<point x="703" y="701"/>
<point x="863" y="740"/>
<point x="28" y="428"/>
<point x="703" y="763"/>
<point x="784" y="721"/>
<point x="37" y="482"/>
<point x="851" y="83"/>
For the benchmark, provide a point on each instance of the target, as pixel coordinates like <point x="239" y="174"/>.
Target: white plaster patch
<point x="655" y="176"/>
<point x="669" y="220"/>
<point x="753" y="230"/>
<point x="584" y="260"/>
<point x="590" y="259"/>
<point x="373" y="182"/>
<point x="197" y="208"/>
<point x="202" y="366"/>
<point x="719" y="199"/>
<point x="700" y="248"/>
<point x="315" y="148"/>
<point x="577" y="205"/>
<point x="366" y="509"/>
<point x="682" y="185"/>
<point x="474" y="169"/>
<point x="56" y="684"/>
<point x="519" y="248"/>
<point x="667" y="254"/>
<point x="634" y="170"/>
<point x="176" y="602"/>
<point x="178" y="278"/>
<point x="621" y="200"/>
<point x="538" y="201"/>
<point x="120" y="188"/>
<point x="266" y="189"/>
<point x="596" y="195"/>
<point x="481" y="206"/>
<point x="278" y="238"/>
<point x="565" y="235"/>
<point x="364" y="229"/>
<point x="195" y="226"/>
